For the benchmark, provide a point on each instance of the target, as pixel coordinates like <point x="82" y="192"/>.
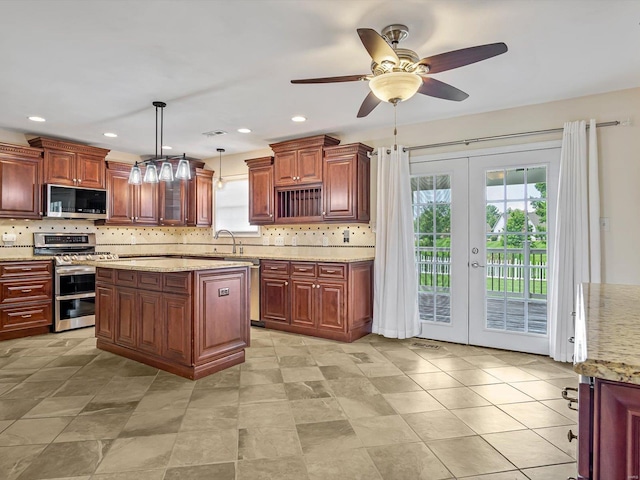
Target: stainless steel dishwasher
<point x="254" y="289"/>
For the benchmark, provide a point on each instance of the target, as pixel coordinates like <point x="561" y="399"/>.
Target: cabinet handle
<point x="566" y="396"/>
<point x="40" y="213"/>
<point x="273" y="268"/>
<point x="28" y="269"/>
<point x="303" y="269"/>
<point x="27" y="290"/>
<point x="26" y="316"/>
<point x="571" y="435"/>
<point x="286" y="283"/>
<point x="570" y="405"/>
<point x="330" y="271"/>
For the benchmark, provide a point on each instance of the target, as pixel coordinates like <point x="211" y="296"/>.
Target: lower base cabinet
<point x="178" y="322"/>
<point x="329" y="300"/>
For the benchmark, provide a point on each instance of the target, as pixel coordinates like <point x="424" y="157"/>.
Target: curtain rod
<point x="500" y="137"/>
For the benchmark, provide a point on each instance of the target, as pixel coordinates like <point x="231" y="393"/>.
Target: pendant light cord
<point x="156" y="156"/>
<point x="161" y="128"/>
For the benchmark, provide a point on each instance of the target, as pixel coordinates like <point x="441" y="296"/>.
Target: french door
<point x="483" y="230"/>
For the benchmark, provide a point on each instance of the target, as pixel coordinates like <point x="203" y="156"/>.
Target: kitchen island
<point x="607" y="356"/>
<point x="185" y="316"/>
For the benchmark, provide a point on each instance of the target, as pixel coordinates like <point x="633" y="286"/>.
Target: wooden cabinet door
<point x="339" y="188"/>
<point x="331" y="304"/>
<point x="176" y="310"/>
<point x="261" y="195"/>
<point x="105" y="309"/>
<point x="149" y="326"/>
<point x="616" y="452"/>
<point x="126" y="317"/>
<point x="119" y="198"/>
<point x="284" y="168"/>
<point x="274" y="299"/>
<point x="90" y="171"/>
<point x="60" y="167"/>
<point x="172" y="200"/>
<point x="303" y="303"/>
<point x="203" y="200"/>
<point x="20" y="188"/>
<point x="145" y="204"/>
<point x="309" y="166"/>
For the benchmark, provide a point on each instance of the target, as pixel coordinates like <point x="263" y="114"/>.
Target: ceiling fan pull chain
<point x="395" y="126"/>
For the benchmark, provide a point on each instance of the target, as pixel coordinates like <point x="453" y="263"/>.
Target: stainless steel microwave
<point x="75" y="202"/>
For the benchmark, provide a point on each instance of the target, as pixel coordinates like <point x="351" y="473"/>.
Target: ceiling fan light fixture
<point x="395" y="87"/>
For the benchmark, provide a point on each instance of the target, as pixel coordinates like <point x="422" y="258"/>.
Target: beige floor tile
<point x="93" y="427"/>
<point x="539" y="389"/>
<point x="72" y="459"/>
<point x="15" y="460"/>
<point x="386" y="430"/>
<point x="412" y="402"/>
<point x="146" y="423"/>
<point x="473" y="377"/>
<point x="353" y="464"/>
<point x="316" y="410"/>
<point x="416" y="366"/>
<point x="292" y="350"/>
<point x="510" y="374"/>
<point x="260" y="352"/>
<point x="204" y="446"/>
<point x="260" y="377"/>
<point x="32" y="389"/>
<point x="535" y="415"/>
<point x="558" y="437"/>
<point x="365" y="406"/>
<point x="138" y="453"/>
<point x="379" y="369"/>
<point x="396" y="384"/>
<point x="571" y="381"/>
<point x="562" y="407"/>
<point x="52" y="374"/>
<point x="80" y="386"/>
<point x="327" y="437"/>
<point x="4" y="424"/>
<point x="287" y="340"/>
<point x="296" y="361"/>
<point x="467" y="456"/>
<point x="265" y="363"/>
<point x="367" y="357"/>
<point x="221" y="417"/>
<point x="33" y="431"/>
<point x="346" y="370"/>
<point x="305" y="390"/>
<point x="544" y="371"/>
<point x="124" y="389"/>
<point x="267" y="442"/>
<point x="487" y="419"/>
<point x="12" y="409"/>
<point x="352" y="387"/>
<point x="526" y="449"/>
<point x="5" y="387"/>
<point x="331" y="359"/>
<point x="215" y="397"/>
<point x="450" y="364"/>
<point x="485" y="361"/>
<point x="165" y="400"/>
<point x="501" y="393"/>
<point x="218" y="471"/>
<point x="462" y="397"/>
<point x="432" y="381"/>
<point x="59" y="407"/>
<point x="408" y="461"/>
<point x="262" y="393"/>
<point x="511" y="475"/>
<point x="285" y="468"/>
<point x="301" y="374"/>
<point x="229" y="378"/>
<point x="272" y="414"/>
<point x="555" y="471"/>
<point x="437" y="425"/>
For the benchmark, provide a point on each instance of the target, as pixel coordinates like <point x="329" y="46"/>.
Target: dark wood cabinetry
<point x="173" y="206"/>
<point x="261" y="194"/>
<point x="72" y="164"/>
<point x="299" y="161"/>
<point x="20" y="182"/>
<point x="129" y="204"/>
<point x="200" y="211"/>
<point x="179" y="321"/>
<point x="25" y="298"/>
<point x="330" y="300"/>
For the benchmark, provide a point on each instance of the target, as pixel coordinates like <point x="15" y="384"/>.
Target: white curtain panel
<point x="576" y="250"/>
<point x="395" y="307"/>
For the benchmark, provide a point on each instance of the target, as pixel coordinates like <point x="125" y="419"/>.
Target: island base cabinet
<point x="190" y="324"/>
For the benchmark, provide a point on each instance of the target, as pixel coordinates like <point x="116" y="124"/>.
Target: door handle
<point x="476" y="265"/>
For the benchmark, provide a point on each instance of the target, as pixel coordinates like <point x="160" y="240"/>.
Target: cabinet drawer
<point x="25" y="290"/>
<point x="303" y="269"/>
<point x="105" y="274"/>
<point x="150" y="281"/>
<point x="176" y="282"/>
<point x="126" y="278"/>
<point x="332" y="270"/>
<point x="15" y="318"/>
<point x="271" y="267"/>
<point x="25" y="269"/>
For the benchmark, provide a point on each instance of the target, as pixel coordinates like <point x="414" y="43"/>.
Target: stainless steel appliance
<point x="75" y="202"/>
<point x="74" y="285"/>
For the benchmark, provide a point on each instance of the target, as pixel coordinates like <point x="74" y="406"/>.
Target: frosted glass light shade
<point x="151" y="174"/>
<point x="220" y="183"/>
<point x="183" y="172"/>
<point x="395" y="86"/>
<point x="166" y="172"/>
<point x="135" y="176"/>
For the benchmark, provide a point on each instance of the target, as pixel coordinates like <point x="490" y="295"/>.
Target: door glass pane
<point x="516" y="246"/>
<point x="431" y="199"/>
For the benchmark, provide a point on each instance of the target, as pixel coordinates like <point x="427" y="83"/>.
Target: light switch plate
<point x="8" y="237"/>
<point x="294" y="240"/>
<point x="279" y="241"/>
<point x="325" y="241"/>
<point x="265" y="241"/>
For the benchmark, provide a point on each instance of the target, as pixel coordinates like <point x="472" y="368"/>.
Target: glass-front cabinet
<point x="173" y="202"/>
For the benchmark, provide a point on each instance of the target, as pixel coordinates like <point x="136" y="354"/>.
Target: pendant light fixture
<point x="220" y="183"/>
<point x="151" y="174"/>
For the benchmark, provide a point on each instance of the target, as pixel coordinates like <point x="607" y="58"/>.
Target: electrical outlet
<point x="345" y="236"/>
<point x="279" y="241"/>
<point x="8" y="237"/>
<point x="294" y="240"/>
<point x="265" y="241"/>
<point x="325" y="241"/>
<point x="132" y="240"/>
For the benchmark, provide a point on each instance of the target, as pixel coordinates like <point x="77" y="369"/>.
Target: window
<point x="232" y="208"/>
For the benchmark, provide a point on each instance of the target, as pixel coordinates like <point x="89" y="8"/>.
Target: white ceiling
<point x="91" y="67"/>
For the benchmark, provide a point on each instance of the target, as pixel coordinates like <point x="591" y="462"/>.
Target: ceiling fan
<point x="398" y="73"/>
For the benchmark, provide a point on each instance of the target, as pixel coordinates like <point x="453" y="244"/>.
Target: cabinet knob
<point x="161" y="219"/>
<point x="270" y="215"/>
<point x="286" y="283"/>
<point x="79" y="180"/>
<point x="324" y="213"/>
<point x="571" y="435"/>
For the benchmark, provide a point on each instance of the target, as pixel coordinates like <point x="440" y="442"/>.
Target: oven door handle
<point x="66" y="271"/>
<point x="74" y="297"/>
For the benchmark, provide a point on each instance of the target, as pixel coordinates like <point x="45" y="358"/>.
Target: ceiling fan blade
<point x="436" y="88"/>
<point x="377" y="46"/>
<point x="370" y="102"/>
<point x="345" y="78"/>
<point x="460" y="58"/>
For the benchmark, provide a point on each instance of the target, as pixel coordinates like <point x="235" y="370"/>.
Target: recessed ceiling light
<point x="299" y="118"/>
<point x="244" y="130"/>
<point x="166" y="147"/>
<point x="110" y="134"/>
<point x="36" y="119"/>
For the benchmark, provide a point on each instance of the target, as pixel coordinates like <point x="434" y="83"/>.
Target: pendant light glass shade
<point x="135" y="176"/>
<point x="395" y="87"/>
<point x="220" y="182"/>
<point x="151" y="174"/>
<point x="166" y="172"/>
<point x="183" y="172"/>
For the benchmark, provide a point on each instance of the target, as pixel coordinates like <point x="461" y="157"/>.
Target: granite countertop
<point x="159" y="264"/>
<point x="608" y="332"/>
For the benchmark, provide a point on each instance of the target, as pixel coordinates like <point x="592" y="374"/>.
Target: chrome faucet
<point x="215" y="237"/>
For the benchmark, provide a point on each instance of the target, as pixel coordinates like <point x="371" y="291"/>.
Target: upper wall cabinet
<point x="72" y="164"/>
<point x="200" y="211"/>
<point x="299" y="162"/>
<point x="260" y="190"/>
<point x="20" y="180"/>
